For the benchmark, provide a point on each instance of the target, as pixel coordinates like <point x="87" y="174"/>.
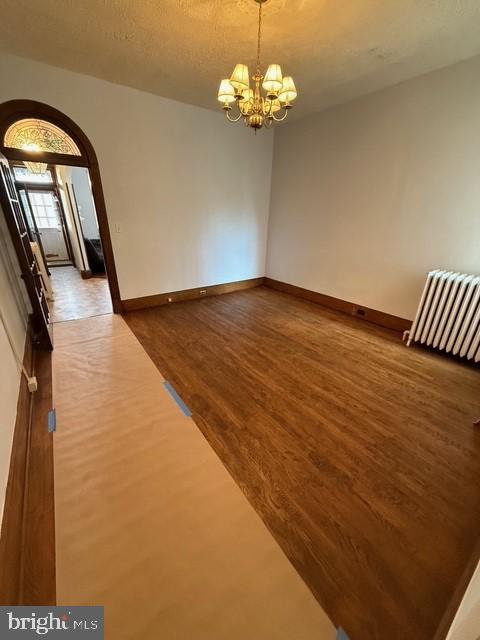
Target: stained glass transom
<point x="40" y="135"/>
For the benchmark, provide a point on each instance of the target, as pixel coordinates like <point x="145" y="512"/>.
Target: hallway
<point x="76" y="298"/>
<point x="147" y="518"/>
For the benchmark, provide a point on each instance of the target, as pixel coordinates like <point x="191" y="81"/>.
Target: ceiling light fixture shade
<point x="226" y="92"/>
<point x="288" y="92"/>
<point x="255" y="109"/>
<point x="34" y="167"/>
<point x="240" y="77"/>
<point x="273" y="79"/>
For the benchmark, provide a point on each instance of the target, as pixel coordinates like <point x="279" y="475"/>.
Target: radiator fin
<point x="448" y="314"/>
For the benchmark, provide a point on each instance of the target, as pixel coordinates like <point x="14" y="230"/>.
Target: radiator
<point x="448" y="316"/>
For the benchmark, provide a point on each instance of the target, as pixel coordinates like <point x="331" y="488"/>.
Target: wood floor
<point x="27" y="543"/>
<point x="358" y="453"/>
<point x="149" y="523"/>
<point x="76" y="298"/>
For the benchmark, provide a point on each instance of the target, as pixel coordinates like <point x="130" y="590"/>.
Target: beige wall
<point x="187" y="196"/>
<point x="13" y="315"/>
<point x="187" y="193"/>
<point x="369" y="196"/>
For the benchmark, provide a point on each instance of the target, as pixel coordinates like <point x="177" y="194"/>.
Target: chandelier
<point x="257" y="110"/>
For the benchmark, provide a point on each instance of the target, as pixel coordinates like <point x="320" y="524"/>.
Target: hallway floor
<point x="148" y="522"/>
<point x="76" y="298"/>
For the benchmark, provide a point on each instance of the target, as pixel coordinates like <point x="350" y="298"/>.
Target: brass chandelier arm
<point x="268" y="113"/>
<point x="246" y="106"/>
<point x="230" y="119"/>
<point x="282" y="118"/>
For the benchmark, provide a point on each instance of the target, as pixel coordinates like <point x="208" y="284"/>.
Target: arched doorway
<point x="65" y="144"/>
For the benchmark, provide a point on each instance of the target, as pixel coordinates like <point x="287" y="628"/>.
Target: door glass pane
<point x="41" y="135"/>
<point x="27" y="211"/>
<point x="45" y="209"/>
<point x="22" y="174"/>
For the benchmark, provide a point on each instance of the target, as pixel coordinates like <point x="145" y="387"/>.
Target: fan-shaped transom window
<point x="39" y="135"/>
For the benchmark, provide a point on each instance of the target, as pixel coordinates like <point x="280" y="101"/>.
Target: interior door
<point x="47" y="216"/>
<point x="17" y="227"/>
<point x="30" y="220"/>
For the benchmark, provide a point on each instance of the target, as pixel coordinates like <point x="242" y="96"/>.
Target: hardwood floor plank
<point x="76" y="297"/>
<point x="358" y="453"/>
<point x="148" y="519"/>
<point x="27" y="543"/>
<point x="38" y="585"/>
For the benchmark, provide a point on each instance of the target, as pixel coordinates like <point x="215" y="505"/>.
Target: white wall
<point x="64" y="178"/>
<point x="188" y="191"/>
<point x="13" y="312"/>
<point x="369" y="196"/>
<point x="84" y="200"/>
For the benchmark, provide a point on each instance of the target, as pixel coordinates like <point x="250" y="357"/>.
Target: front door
<point x="17" y="227"/>
<point x="48" y="219"/>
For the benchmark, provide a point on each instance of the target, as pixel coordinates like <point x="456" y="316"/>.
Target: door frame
<point x="14" y="110"/>
<point x="19" y="232"/>
<point x="26" y="186"/>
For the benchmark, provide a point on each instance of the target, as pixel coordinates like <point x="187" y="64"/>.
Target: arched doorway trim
<point x="14" y="110"/>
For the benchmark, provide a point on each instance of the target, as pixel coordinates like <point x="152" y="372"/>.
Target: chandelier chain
<point x="259" y="35"/>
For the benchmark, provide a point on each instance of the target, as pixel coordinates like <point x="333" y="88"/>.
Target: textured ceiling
<point x="335" y="49"/>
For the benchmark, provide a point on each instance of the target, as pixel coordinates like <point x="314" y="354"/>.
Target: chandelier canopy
<point x="258" y="109"/>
